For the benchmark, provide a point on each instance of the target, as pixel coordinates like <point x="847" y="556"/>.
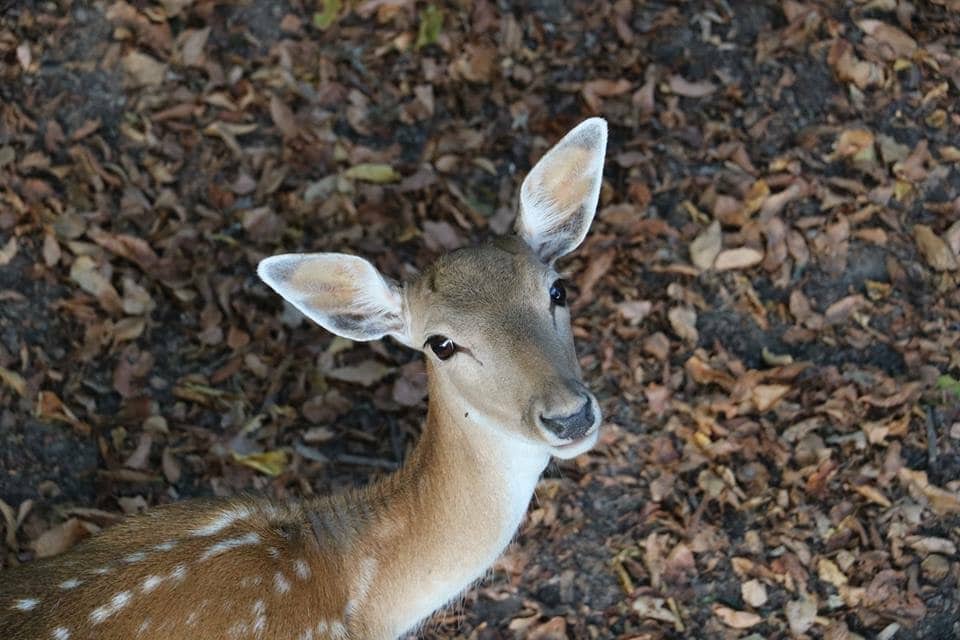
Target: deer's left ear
<point x="559" y="197"/>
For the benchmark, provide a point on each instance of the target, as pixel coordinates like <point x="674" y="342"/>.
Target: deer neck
<point x="448" y="514"/>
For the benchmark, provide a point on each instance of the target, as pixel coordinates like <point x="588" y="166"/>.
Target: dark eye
<point x="442" y="346"/>
<point x="558" y="294"/>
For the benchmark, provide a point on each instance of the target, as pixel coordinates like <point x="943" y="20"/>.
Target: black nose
<point x="572" y="426"/>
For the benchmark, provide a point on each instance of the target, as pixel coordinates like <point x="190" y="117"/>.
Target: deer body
<point x="371" y="563"/>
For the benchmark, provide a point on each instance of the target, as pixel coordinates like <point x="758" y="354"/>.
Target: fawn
<point x="505" y="394"/>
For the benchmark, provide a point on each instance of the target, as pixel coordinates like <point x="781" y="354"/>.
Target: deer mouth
<point x="578" y="445"/>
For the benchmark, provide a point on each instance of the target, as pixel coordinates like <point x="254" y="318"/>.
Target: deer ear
<point x="344" y="294"/>
<point x="558" y="198"/>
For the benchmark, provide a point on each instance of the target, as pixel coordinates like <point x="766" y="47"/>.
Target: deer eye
<point x="558" y="294"/>
<point x="442" y="346"/>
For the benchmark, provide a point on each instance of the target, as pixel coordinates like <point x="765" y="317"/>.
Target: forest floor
<point x="767" y="305"/>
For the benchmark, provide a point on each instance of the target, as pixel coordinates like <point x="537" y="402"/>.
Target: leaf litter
<point x="767" y="305"/>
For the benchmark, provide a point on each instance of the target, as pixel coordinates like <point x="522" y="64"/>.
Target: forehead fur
<point x="478" y="276"/>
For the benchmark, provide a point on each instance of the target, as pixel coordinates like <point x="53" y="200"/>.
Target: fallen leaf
<point x="830" y="573"/>
<point x="431" y="22"/>
<point x="634" y="311"/>
<point x="325" y="17"/>
<point x="741" y="258"/>
<point x="9" y="251"/>
<point x="706" y="246"/>
<point x="143" y="70"/>
<point x="60" y="538"/>
<point x="754" y="593"/>
<point x="899" y="43"/>
<point x="192" y="43"/>
<point x="13" y="380"/>
<point x="654" y="609"/>
<point x="366" y="373"/>
<point x="271" y="463"/>
<point x="801" y="614"/>
<point x="736" y="619"/>
<point x="372" y="172"/>
<point x="595" y="90"/>
<point x="931" y="544"/>
<point x="683" y="87"/>
<point x="936" y="252"/>
<point x="766" y="396"/>
<point x="684" y="323"/>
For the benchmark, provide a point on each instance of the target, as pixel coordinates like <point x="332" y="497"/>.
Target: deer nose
<point x="572" y="426"/>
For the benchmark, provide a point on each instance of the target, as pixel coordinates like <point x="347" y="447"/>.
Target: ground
<point x="767" y="305"/>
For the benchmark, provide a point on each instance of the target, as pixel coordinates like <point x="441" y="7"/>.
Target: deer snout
<point x="574" y="425"/>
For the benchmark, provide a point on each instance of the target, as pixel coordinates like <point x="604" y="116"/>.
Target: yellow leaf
<point x="13" y="380"/>
<point x="271" y="463"/>
<point x="372" y="172"/>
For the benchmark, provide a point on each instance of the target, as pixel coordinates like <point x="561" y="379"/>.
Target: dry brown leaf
<point x="60" y="538"/>
<point x="654" y="609"/>
<point x="595" y="90"/>
<point x="706" y="246"/>
<point x="684" y="323"/>
<point x="736" y="619"/>
<point x="931" y="544"/>
<point x="634" y="311"/>
<point x="14" y="380"/>
<point x="191" y="43"/>
<point x="740" y="258"/>
<point x="766" y="396"/>
<point x="936" y="252"/>
<point x="856" y="144"/>
<point x="366" y="373"/>
<point x="941" y="501"/>
<point x="897" y="43"/>
<point x="683" y="87"/>
<point x="9" y="251"/>
<point x="830" y="573"/>
<point x="143" y="70"/>
<point x="754" y="593"/>
<point x="283" y="117"/>
<point x="801" y="614"/>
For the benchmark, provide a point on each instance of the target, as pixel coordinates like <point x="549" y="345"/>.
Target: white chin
<point x="576" y="447"/>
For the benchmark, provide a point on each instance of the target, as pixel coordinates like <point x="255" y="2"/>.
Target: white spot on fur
<point x="338" y="631"/>
<point x="306" y="635"/>
<point x="273" y="552"/>
<point x="179" y="572"/>
<point x="142" y="629"/>
<point x="61" y="633"/>
<point x="230" y="543"/>
<point x="166" y="546"/>
<point x="72" y="583"/>
<point x="361" y="587"/>
<point x="117" y="602"/>
<point x="150" y="583"/>
<point x="222" y="521"/>
<point x="26" y="604"/>
<point x="259" y="618"/>
<point x="302" y="569"/>
<point x="192" y="618"/>
<point x="102" y="571"/>
<point x="133" y="558"/>
<point x="251" y="581"/>
<point x="280" y="583"/>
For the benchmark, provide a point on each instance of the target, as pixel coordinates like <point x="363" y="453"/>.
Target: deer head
<point x="492" y="320"/>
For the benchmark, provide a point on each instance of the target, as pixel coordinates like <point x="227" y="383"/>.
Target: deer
<point x="505" y="396"/>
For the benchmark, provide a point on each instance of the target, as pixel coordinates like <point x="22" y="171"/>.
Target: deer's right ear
<point x="344" y="294"/>
<point x="559" y="196"/>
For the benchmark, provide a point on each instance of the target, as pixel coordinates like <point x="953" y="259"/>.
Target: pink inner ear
<point x="565" y="180"/>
